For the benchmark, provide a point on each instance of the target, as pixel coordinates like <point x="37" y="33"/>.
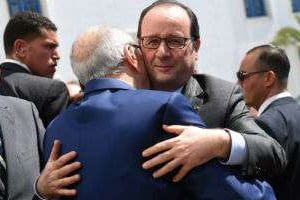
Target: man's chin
<point x="49" y="75"/>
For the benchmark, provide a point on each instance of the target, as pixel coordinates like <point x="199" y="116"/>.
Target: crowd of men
<point x="143" y="128"/>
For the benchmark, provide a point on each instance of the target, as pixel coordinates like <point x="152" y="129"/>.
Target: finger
<point x="174" y="129"/>
<point x="64" y="159"/>
<point x="67" y="192"/>
<point x="68" y="180"/>
<point x="55" y="151"/>
<point x="182" y="173"/>
<point x="166" y="168"/>
<point x="159" y="159"/>
<point x="68" y="169"/>
<point x="159" y="147"/>
<point x="139" y="54"/>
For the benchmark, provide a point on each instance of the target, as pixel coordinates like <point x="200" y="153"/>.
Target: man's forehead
<point x="170" y="10"/>
<point x="249" y="60"/>
<point x="172" y="17"/>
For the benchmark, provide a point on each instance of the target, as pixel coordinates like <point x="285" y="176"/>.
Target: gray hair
<point x="98" y="52"/>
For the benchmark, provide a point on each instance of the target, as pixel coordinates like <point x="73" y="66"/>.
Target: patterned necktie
<point x="2" y="169"/>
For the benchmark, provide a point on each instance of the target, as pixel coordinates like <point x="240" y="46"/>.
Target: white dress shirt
<point x="268" y="101"/>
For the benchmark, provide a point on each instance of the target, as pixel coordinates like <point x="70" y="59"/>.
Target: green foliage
<point x="287" y="35"/>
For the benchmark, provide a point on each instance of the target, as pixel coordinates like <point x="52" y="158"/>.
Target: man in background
<point x="31" y="48"/>
<point x="263" y="76"/>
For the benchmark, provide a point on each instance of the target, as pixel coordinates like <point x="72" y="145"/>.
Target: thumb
<point x="174" y="129"/>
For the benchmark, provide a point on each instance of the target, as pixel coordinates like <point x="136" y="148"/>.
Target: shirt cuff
<point x="238" y="153"/>
<point x="35" y="190"/>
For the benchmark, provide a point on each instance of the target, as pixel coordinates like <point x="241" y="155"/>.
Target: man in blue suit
<point x="115" y="122"/>
<point x="264" y="76"/>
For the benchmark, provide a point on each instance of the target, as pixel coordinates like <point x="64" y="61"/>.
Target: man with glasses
<point x="168" y="34"/>
<point x="263" y="76"/>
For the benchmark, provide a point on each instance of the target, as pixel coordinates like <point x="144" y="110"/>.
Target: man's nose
<point x="56" y="54"/>
<point x="163" y="50"/>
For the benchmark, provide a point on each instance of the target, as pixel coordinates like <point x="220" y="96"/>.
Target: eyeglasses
<point x="241" y="76"/>
<point x="153" y="42"/>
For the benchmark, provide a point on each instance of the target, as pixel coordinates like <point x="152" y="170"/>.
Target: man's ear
<point x="131" y="57"/>
<point x="196" y="47"/>
<point x="20" y="48"/>
<point x="270" y="78"/>
<point x="197" y="44"/>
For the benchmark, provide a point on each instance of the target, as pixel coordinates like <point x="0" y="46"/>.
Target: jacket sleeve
<point x="216" y="181"/>
<point x="58" y="99"/>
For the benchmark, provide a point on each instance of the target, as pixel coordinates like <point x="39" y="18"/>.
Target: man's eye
<point x="175" y="41"/>
<point x="153" y="41"/>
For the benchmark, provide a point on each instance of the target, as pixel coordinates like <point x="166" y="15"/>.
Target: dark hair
<point x="273" y="58"/>
<point x="194" y="21"/>
<point x="25" y="25"/>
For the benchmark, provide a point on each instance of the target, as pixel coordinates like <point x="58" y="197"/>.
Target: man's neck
<point x="280" y="94"/>
<point x="122" y="77"/>
<point x="165" y="87"/>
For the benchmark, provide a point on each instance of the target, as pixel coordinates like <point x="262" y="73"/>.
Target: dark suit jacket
<point x="49" y="96"/>
<point x="23" y="134"/>
<point x="281" y="120"/>
<point x="221" y="105"/>
<point x="111" y="127"/>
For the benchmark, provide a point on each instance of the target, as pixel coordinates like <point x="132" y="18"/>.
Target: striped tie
<point x="2" y="169"/>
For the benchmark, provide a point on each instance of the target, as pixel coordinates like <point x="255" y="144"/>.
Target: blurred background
<point x="228" y="28"/>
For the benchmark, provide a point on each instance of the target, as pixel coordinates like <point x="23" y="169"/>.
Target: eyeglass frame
<point x="166" y="41"/>
<point x="241" y="76"/>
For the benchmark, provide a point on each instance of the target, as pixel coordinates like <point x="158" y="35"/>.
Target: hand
<point x="77" y="97"/>
<point x="75" y="91"/>
<point x="54" y="178"/>
<point x="142" y="79"/>
<point x="193" y="147"/>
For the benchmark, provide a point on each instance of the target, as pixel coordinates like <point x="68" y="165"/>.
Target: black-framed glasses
<point x="172" y="42"/>
<point x="241" y="76"/>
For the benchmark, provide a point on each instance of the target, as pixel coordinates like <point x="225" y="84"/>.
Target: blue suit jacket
<point x="281" y="120"/>
<point x="111" y="127"/>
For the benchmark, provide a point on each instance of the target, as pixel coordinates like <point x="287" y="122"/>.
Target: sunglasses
<point x="241" y="76"/>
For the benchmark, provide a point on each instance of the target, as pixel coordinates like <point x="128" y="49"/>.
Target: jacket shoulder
<point x="212" y="83"/>
<point x="7" y="101"/>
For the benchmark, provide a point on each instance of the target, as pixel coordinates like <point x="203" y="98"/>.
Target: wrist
<point x="224" y="146"/>
<point x="38" y="191"/>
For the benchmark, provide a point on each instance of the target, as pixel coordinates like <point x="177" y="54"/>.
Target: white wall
<point x="4" y="16"/>
<point x="226" y="32"/>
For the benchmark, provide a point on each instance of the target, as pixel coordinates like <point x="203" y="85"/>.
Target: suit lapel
<point x="195" y="93"/>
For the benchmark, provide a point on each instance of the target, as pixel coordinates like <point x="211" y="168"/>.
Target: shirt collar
<point x="16" y="62"/>
<point x="268" y="101"/>
<point x="105" y="84"/>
